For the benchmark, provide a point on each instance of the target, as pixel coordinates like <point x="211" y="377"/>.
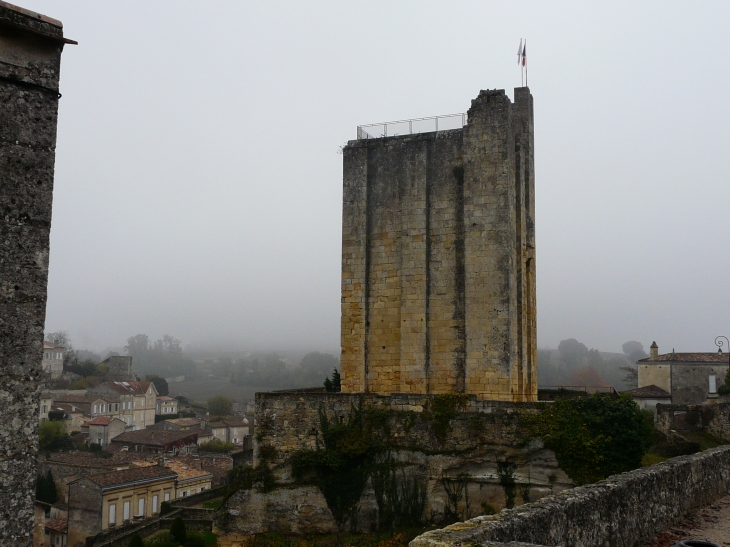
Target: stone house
<point x="156" y="441"/>
<point x="102" y="501"/>
<point x="53" y="359"/>
<point x="73" y="416"/>
<point x="690" y="378"/>
<point x="134" y="403"/>
<point x="119" y="367"/>
<point x="78" y="399"/>
<point x="55" y="533"/>
<point x="166" y="405"/>
<point x="104" y="428"/>
<point x="230" y="430"/>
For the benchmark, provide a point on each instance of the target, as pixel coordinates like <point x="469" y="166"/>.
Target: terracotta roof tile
<point x="184" y="422"/>
<point x="129" y="388"/>
<point x="133" y="474"/>
<point x="710" y="357"/>
<point x="153" y="437"/>
<point x="57" y="525"/>
<point x="649" y="391"/>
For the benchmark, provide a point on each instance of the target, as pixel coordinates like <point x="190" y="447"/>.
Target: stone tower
<point x="438" y="258"/>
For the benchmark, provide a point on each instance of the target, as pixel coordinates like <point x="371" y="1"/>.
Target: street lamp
<point x="719" y="343"/>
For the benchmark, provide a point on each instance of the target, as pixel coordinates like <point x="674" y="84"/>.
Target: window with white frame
<point x="140" y="507"/>
<point x="167" y="496"/>
<point x="113" y="513"/>
<point x="713" y="383"/>
<point x="154" y="504"/>
<point x="126" y="510"/>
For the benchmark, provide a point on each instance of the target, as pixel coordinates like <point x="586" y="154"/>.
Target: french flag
<point x="522" y="53"/>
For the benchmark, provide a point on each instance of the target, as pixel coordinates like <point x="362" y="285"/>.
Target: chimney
<point x="161" y="462"/>
<point x="654" y="349"/>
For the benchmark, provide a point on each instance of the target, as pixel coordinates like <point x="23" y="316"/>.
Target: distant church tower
<point x="438" y="258"/>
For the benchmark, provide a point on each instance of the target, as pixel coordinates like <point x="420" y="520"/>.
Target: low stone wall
<point x="199" y="498"/>
<point x="622" y="511"/>
<point x="713" y="418"/>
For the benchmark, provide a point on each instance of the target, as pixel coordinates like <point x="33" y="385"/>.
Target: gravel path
<point x="709" y="524"/>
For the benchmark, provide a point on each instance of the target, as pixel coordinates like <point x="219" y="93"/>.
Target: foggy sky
<point x="198" y="186"/>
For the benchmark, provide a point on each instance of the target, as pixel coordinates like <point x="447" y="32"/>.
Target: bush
<point x="215" y="446"/>
<point x="177" y="530"/>
<point x="220" y="406"/>
<point x="52" y="436"/>
<point x="136" y="541"/>
<point x="194" y="539"/>
<point x="594" y="437"/>
<point x="165" y="508"/>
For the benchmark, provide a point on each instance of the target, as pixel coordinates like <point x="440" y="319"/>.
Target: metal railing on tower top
<point x="409" y="127"/>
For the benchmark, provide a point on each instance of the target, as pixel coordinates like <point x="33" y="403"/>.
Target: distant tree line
<point x="272" y="371"/>
<point x="164" y="357"/>
<point x="573" y="364"/>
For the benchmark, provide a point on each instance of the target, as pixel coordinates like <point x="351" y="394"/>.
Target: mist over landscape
<point x="198" y="188"/>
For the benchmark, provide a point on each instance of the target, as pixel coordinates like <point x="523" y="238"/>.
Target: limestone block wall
<point x="438" y="258"/>
<point x="30" y="56"/>
<point x="622" y="511"/>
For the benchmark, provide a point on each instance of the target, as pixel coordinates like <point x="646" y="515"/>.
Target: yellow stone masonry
<point x="438" y="258"/>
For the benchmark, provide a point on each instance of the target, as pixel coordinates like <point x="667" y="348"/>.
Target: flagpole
<point x="525" y="65"/>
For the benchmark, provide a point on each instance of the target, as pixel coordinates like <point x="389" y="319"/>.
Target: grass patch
<point x="210" y="538"/>
<point x="398" y="538"/>
<point x="650" y="458"/>
<point x="213" y="504"/>
<point x="706" y="440"/>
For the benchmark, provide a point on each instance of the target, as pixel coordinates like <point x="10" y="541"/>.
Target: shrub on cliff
<point x="594" y="437"/>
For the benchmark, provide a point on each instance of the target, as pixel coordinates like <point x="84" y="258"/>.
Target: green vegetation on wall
<point x="343" y="465"/>
<point x="594" y="437"/>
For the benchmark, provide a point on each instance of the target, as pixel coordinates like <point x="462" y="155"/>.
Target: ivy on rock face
<point x="342" y="467"/>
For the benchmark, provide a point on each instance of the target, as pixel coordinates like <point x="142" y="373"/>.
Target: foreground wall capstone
<point x="30" y="57"/>
<point x="621" y="511"/>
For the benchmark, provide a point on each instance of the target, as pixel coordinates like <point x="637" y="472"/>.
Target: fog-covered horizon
<point x="198" y="186"/>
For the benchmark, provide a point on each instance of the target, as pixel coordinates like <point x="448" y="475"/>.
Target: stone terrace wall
<point x="622" y="511"/>
<point x="713" y="418"/>
<point x="289" y="421"/>
<point x="30" y="58"/>
<point x="476" y="440"/>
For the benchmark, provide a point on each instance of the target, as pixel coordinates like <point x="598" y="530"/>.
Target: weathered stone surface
<point x="622" y="511"/>
<point x="30" y="56"/>
<point x="438" y="258"/>
<point x="487" y="432"/>
<point x="711" y="417"/>
<point x="300" y="510"/>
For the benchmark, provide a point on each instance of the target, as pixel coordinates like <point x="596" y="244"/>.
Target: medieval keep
<point x="438" y="257"/>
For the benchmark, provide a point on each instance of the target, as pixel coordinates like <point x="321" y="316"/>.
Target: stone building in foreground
<point x="438" y="257"/>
